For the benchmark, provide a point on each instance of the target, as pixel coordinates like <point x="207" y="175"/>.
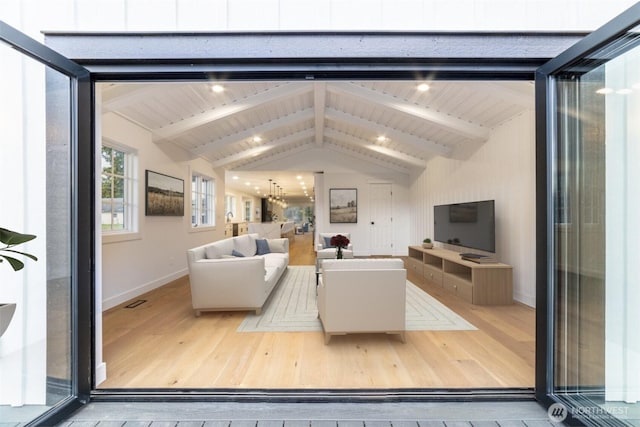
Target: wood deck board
<point x="162" y="344"/>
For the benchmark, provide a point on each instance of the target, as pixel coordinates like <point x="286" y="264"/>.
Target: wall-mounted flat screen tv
<point x="470" y="225"/>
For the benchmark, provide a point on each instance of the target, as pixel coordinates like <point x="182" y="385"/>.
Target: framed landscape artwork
<point x="343" y="205"/>
<point x="164" y="195"/>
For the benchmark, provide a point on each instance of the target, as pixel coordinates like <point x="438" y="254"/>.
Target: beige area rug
<point x="292" y="308"/>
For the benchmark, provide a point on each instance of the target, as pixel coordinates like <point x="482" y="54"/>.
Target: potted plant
<point x="426" y="243"/>
<point x="10" y="239"/>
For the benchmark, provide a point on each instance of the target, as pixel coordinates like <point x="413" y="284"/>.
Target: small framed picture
<point x="164" y="195"/>
<point x="343" y="205"/>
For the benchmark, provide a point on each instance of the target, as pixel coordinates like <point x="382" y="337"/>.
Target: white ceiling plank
<point x="319" y="104"/>
<point x="263" y="149"/>
<point x="367" y="145"/>
<point x="297" y="117"/>
<point x="257" y="163"/>
<point x="122" y="95"/>
<point x="510" y="95"/>
<point x="366" y="158"/>
<point x="449" y="122"/>
<point x="273" y="95"/>
<point x="399" y="136"/>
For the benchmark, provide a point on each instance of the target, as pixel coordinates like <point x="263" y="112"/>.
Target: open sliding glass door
<point x="46" y="189"/>
<point x="588" y="139"/>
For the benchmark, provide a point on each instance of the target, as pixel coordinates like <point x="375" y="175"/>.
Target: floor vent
<point x="136" y="303"/>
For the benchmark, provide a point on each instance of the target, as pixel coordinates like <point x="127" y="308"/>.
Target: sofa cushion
<point x="236" y="253"/>
<point x="213" y="252"/>
<point x="327" y="243"/>
<point x="276" y="260"/>
<point x="246" y="245"/>
<point x="262" y="247"/>
<point x="277" y="245"/>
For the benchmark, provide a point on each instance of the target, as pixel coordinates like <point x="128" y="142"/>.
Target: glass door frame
<point x="81" y="151"/>
<point x="193" y="57"/>
<point x="545" y="81"/>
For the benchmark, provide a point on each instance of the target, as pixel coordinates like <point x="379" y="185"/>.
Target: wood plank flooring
<point x="162" y="344"/>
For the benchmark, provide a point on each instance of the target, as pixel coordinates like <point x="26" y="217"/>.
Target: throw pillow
<point x="263" y="247"/>
<point x="212" y="252"/>
<point x="236" y="253"/>
<point x="277" y="245"/>
<point x="327" y="243"/>
<point x="245" y="244"/>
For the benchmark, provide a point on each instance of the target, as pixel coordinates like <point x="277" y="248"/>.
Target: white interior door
<point x="380" y="206"/>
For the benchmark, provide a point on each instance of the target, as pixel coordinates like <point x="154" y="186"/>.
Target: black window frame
<point x="82" y="221"/>
<point x="315" y="56"/>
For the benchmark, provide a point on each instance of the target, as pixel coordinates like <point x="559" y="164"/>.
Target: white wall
<point x="502" y="169"/>
<point x="360" y="232"/>
<point x="158" y="254"/>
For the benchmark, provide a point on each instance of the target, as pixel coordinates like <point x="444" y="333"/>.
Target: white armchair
<point x="362" y="295"/>
<point x="324" y="250"/>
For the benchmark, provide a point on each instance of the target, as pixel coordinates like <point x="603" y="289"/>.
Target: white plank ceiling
<point x="249" y="127"/>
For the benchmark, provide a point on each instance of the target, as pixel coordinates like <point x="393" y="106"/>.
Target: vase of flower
<point x="339" y="241"/>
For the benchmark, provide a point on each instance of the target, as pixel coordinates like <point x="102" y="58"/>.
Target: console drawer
<point x="459" y="286"/>
<point x="433" y="274"/>
<point x="414" y="265"/>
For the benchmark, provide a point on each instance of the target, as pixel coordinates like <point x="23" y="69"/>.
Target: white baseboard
<point x="525" y="299"/>
<point x="132" y="293"/>
<point x="101" y="373"/>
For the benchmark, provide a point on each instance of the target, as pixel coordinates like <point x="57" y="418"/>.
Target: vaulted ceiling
<point x="259" y="130"/>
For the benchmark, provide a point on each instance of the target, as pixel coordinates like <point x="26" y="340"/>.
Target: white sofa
<point x="324" y="251"/>
<point x="223" y="280"/>
<point x="362" y="295"/>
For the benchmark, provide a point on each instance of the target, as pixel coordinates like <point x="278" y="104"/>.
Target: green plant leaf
<point x="33" y="257"/>
<point x="11" y="238"/>
<point x="15" y="263"/>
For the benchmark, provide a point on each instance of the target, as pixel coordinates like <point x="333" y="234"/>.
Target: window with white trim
<point x="230" y="207"/>
<point x="247" y="210"/>
<point x="202" y="201"/>
<point x="119" y="190"/>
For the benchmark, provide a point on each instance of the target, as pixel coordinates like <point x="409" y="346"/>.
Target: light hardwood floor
<point x="162" y="344"/>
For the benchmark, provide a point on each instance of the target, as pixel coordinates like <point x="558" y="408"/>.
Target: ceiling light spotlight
<point x="236" y="177"/>
<point x="604" y="91"/>
<point x="381" y="138"/>
<point x="248" y="184"/>
<point x="298" y="177"/>
<point x="423" y="87"/>
<point x="257" y="139"/>
<point x="217" y="88"/>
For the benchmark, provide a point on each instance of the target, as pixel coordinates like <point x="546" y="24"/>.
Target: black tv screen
<point x="471" y="225"/>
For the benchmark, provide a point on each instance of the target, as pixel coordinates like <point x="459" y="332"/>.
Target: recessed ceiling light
<point x="381" y="138"/>
<point x="257" y="139"/>
<point x="248" y="184"/>
<point x="423" y="87"/>
<point x="217" y="88"/>
<point x="236" y="177"/>
<point x="604" y="91"/>
<point x="298" y="177"/>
